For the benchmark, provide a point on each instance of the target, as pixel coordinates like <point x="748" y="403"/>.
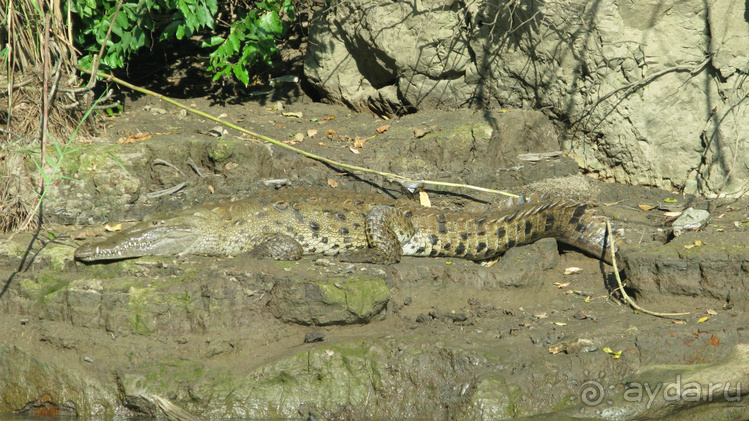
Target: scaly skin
<point x="287" y="224"/>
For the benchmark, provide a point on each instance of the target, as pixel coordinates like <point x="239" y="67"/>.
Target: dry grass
<point x="40" y="96"/>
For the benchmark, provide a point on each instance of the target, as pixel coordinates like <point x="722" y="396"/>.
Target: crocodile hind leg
<point x="278" y="247"/>
<point x="387" y="229"/>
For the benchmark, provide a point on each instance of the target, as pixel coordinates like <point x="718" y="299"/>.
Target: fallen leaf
<point x="424" y="199"/>
<point x="721" y="215"/>
<point x="328" y="117"/>
<point x="332" y="183"/>
<point x="329" y="352"/>
<point x="714" y="340"/>
<point x="383" y="129"/>
<point x="212" y="189"/>
<point x="312" y="132"/>
<point x="559" y="323"/>
<point x="293" y="114"/>
<point x="703" y="319"/>
<point x="645" y="207"/>
<point x="561" y="285"/>
<point x="614" y="354"/>
<point x="670" y="200"/>
<point x="697" y="243"/>
<point x="556" y="349"/>
<point x="298" y="138"/>
<point x="82" y="235"/>
<point x="329" y="133"/>
<point x="359" y="143"/>
<point x="133" y="137"/>
<point x="448" y="262"/>
<point x="223" y="115"/>
<point x="419" y="133"/>
<point x="673" y="214"/>
<point x="541" y="315"/>
<point x="571" y="270"/>
<point x="354" y="150"/>
<point x="711" y="312"/>
<point x="112" y="228"/>
<point x="679" y="322"/>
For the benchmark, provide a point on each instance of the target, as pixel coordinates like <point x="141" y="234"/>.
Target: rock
<point x="690" y="219"/>
<point x="47" y="388"/>
<point x="524" y="266"/>
<point x="354" y="300"/>
<point x="668" y="392"/>
<point x="633" y="80"/>
<point x="717" y="269"/>
<point x="314" y="336"/>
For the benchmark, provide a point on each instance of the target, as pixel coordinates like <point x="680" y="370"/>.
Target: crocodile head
<point x="159" y="237"/>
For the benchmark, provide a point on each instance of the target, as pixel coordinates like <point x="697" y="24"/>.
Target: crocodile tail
<point x="582" y="227"/>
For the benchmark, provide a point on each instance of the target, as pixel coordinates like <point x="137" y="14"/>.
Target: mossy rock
<point x="327" y="302"/>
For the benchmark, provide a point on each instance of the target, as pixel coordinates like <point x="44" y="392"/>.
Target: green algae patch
<point x="365" y="296"/>
<point x="324" y="302"/>
<point x="221" y="150"/>
<point x="43" y="288"/>
<point x="337" y="376"/>
<point x="493" y="398"/>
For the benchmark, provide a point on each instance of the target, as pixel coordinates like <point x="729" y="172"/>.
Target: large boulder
<point x="650" y="92"/>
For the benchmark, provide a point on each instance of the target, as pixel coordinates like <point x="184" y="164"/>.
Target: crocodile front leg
<point x="278" y="247"/>
<point x="387" y="229"/>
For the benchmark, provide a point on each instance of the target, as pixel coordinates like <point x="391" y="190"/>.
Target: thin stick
<point x="390" y="176"/>
<point x="619" y="280"/>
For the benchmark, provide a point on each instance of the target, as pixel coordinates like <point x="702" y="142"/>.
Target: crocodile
<point x="286" y="224"/>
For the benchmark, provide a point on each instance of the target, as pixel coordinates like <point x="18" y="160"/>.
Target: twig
<point x="170" y="190"/>
<point x="407" y="182"/>
<point x="619" y="280"/>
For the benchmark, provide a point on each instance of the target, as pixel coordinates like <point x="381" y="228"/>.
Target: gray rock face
<point x="650" y="92"/>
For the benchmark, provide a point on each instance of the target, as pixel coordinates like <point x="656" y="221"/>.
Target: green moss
<point x="87" y="159"/>
<point x="221" y="150"/>
<point x="43" y="287"/>
<point x="332" y="295"/>
<point x="136" y="307"/>
<point x="362" y="293"/>
<point x="139" y="326"/>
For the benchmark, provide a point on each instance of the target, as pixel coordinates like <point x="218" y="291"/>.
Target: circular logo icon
<point x="591" y="393"/>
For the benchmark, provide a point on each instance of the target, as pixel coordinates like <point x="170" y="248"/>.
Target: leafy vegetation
<point x="250" y="39"/>
<point x="135" y="26"/>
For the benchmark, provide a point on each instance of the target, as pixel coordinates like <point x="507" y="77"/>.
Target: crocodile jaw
<point x="144" y="239"/>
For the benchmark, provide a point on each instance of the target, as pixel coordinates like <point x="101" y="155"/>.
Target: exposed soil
<point x="456" y="340"/>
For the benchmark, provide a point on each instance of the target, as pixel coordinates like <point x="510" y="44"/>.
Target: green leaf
<point x="212" y="42"/>
<point x="170" y="30"/>
<point x="241" y="73"/>
<point x="271" y="23"/>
